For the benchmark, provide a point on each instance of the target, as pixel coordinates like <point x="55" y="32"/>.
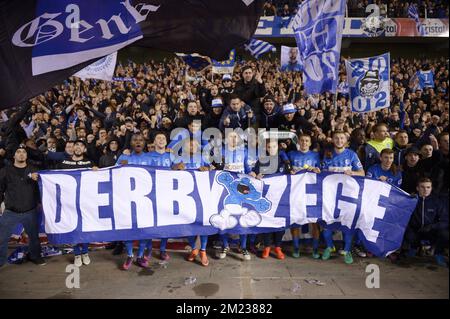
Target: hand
<point x="95" y="168"/>
<point x="383" y="178"/>
<point x="315" y="170"/>
<point x="2" y="152"/>
<point x="180" y="166"/>
<point x="402" y="94"/>
<point x="348" y="172"/>
<point x="34" y="176"/>
<point x="203" y="168"/>
<point x="123" y="162"/>
<point x="259" y="176"/>
<point x="250" y="114"/>
<point x="252" y="174"/>
<point x="126" y="152"/>
<point x="227" y="121"/>
<point x="434" y="142"/>
<point x="258" y="77"/>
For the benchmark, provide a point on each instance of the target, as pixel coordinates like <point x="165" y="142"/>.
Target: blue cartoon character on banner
<point x="240" y="191"/>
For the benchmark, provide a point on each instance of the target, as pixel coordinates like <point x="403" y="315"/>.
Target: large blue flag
<point x="318" y="28"/>
<point x="139" y="202"/>
<point x="369" y="83"/>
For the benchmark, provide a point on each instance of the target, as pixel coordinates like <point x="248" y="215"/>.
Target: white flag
<point x="369" y="83"/>
<point x="102" y="69"/>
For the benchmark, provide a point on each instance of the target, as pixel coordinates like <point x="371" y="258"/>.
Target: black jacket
<point x="410" y="176"/>
<point x="250" y="92"/>
<point x="108" y="159"/>
<point x="17" y="189"/>
<point x="271" y="120"/>
<point x="211" y="120"/>
<point x="431" y="212"/>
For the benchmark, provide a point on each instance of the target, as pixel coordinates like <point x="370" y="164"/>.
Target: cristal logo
<point x="46" y="26"/>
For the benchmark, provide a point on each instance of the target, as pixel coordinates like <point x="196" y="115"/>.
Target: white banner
<point x="102" y="69"/>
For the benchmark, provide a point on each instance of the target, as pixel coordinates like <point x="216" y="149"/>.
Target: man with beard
<point x="270" y="114"/>
<point x="250" y="88"/>
<point x="76" y="161"/>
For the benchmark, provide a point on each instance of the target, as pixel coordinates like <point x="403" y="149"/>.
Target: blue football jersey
<point x="376" y="171"/>
<point x="300" y="160"/>
<point x="236" y="160"/>
<point x="160" y="159"/>
<point x="136" y="159"/>
<point x="347" y="160"/>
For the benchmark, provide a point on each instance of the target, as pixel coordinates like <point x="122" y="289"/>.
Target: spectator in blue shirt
<point x="343" y="160"/>
<point x="192" y="159"/>
<point x="386" y="171"/>
<point x="305" y="160"/>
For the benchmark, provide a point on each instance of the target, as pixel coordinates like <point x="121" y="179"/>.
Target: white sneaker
<point x="246" y="255"/>
<point x="86" y="259"/>
<point x="342" y="252"/>
<point x="223" y="253"/>
<point x="77" y="262"/>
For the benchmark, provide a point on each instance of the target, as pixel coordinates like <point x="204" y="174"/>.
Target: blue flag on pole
<point x="413" y="13"/>
<point x="426" y="79"/>
<point x="258" y="47"/>
<point x="318" y="29"/>
<point x="369" y="83"/>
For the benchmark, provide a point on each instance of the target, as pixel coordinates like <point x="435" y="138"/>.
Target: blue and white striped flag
<point x="414" y="14"/>
<point x="258" y="47"/>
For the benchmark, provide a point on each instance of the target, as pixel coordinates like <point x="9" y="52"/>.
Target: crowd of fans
<point x="357" y="8"/>
<point x="108" y="119"/>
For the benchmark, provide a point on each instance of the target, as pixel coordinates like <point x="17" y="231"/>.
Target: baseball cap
<point x="226" y="77"/>
<point x="289" y="108"/>
<point x="21" y="146"/>
<point x="217" y="103"/>
<point x="80" y="141"/>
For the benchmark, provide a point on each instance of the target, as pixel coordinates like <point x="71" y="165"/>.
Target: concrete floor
<point x="228" y="278"/>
